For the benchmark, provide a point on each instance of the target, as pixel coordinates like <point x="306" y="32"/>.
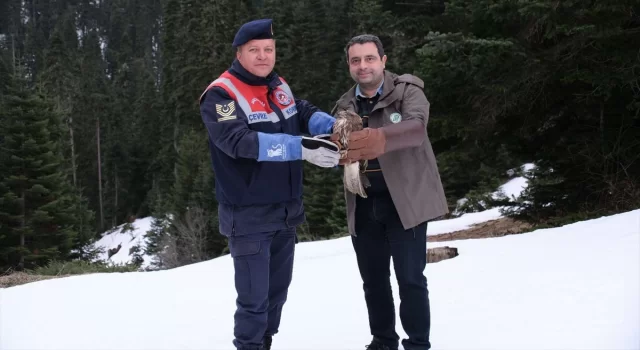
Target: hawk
<point x="346" y="122"/>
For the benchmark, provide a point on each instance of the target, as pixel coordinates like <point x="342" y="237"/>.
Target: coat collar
<point x="349" y="98"/>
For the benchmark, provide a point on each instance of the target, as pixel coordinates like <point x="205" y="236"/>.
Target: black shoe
<point x="266" y="342"/>
<point x="376" y="345"/>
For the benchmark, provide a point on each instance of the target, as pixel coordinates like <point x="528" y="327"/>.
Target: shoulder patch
<point x="226" y="111"/>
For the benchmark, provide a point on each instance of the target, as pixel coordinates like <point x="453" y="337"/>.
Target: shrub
<point x="78" y="267"/>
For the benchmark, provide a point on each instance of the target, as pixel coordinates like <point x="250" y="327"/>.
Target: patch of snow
<point x="127" y="239"/>
<point x="513" y="188"/>
<point x="462" y="222"/>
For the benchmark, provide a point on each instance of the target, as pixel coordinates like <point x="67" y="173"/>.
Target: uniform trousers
<point x="263" y="265"/>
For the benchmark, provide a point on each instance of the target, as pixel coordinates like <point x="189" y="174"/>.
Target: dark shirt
<point x="372" y="170"/>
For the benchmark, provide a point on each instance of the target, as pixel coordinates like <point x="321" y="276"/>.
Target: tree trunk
<point x="73" y="153"/>
<point x="23" y="212"/>
<point x="176" y="148"/>
<point x="99" y="173"/>
<point x="33" y="13"/>
<point x="13" y="51"/>
<point x="603" y="148"/>
<point x="115" y="204"/>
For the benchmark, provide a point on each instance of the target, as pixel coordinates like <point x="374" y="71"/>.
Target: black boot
<point x="266" y="342"/>
<point x="376" y="345"/>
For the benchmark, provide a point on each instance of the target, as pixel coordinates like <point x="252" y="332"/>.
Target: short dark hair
<point x="362" y="39"/>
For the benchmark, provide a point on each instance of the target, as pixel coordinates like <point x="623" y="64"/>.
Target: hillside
<point x="130" y="235"/>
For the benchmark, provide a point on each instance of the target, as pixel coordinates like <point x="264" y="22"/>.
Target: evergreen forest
<point x="100" y="122"/>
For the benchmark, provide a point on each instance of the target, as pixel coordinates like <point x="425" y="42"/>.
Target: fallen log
<point x="435" y="255"/>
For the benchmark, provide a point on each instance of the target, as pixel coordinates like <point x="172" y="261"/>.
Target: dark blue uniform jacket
<point x="256" y="196"/>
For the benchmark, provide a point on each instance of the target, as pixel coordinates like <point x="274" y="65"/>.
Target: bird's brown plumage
<point x="347" y="122"/>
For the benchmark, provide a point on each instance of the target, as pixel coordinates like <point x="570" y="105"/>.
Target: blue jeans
<point x="263" y="264"/>
<point x="380" y="237"/>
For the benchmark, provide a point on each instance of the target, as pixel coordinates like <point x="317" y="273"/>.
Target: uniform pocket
<point x="238" y="249"/>
<point x="251" y="272"/>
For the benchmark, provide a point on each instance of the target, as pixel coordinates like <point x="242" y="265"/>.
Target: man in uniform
<point x="405" y="193"/>
<point x="256" y="127"/>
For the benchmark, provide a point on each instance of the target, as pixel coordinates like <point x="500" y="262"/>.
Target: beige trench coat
<point x="408" y="164"/>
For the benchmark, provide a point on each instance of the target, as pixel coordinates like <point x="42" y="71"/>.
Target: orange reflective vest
<point x="252" y="99"/>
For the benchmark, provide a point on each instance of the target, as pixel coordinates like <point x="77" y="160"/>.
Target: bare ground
<point x="494" y="228"/>
<point x="19" y="278"/>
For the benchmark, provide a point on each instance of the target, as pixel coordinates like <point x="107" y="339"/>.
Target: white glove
<point x="322" y="153"/>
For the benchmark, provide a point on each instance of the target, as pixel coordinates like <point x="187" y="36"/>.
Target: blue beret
<point x="258" y="29"/>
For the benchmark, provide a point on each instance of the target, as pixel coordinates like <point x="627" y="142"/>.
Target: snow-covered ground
<point x="574" y="287"/>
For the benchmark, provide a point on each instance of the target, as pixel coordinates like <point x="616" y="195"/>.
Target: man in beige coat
<point x="405" y="193"/>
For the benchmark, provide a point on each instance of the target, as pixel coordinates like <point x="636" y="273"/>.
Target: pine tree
<point x="59" y="82"/>
<point x="337" y="219"/>
<point x="194" y="187"/>
<point x="191" y="198"/>
<point x="91" y="106"/>
<point x="36" y="203"/>
<point x="549" y="82"/>
<point x="4" y="73"/>
<point x="464" y="77"/>
<point x="318" y="199"/>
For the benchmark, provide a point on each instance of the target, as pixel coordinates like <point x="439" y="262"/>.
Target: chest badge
<point x="282" y="98"/>
<point x="395" y="118"/>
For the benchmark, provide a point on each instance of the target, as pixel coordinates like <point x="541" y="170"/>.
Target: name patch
<point x="258" y="117"/>
<point x="290" y="111"/>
